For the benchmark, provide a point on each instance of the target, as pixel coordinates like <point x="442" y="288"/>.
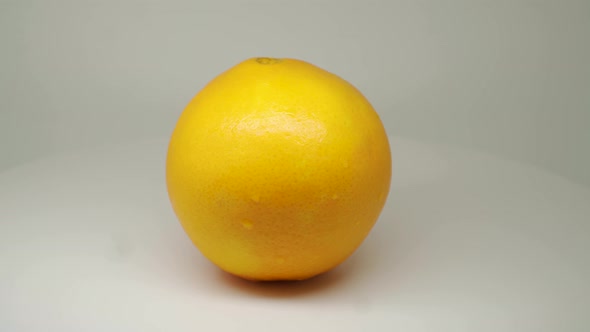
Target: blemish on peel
<point x="247" y="224"/>
<point x="255" y="197"/>
<point x="268" y="61"/>
<point x="335" y="196"/>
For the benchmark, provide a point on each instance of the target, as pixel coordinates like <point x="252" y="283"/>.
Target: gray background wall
<point x="508" y="77"/>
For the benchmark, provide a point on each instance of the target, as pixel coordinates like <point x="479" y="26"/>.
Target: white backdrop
<point x="468" y="241"/>
<point x="507" y="77"/>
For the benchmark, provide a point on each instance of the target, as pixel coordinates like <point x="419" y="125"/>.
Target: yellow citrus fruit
<point x="278" y="169"/>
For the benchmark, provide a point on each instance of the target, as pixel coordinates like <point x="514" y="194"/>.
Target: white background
<point x="486" y="103"/>
<point x="508" y="77"/>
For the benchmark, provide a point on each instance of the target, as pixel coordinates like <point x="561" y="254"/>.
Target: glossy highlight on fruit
<point x="278" y="169"/>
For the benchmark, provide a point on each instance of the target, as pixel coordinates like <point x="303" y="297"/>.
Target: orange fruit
<point x="278" y="169"/>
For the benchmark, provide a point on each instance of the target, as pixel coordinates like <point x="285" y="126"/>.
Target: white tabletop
<point x="467" y="242"/>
